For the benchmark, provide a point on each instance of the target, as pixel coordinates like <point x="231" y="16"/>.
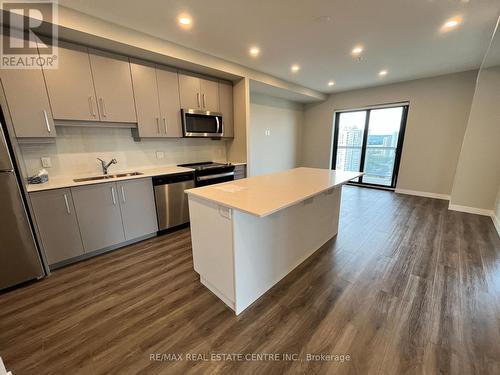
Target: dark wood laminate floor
<point x="406" y="287"/>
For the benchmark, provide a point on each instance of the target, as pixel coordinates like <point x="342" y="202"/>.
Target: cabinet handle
<point x="123" y="194"/>
<point x="91" y="106"/>
<point x="47" y="120"/>
<point x="165" y="125"/>
<point x="103" y="108"/>
<point x="67" y="204"/>
<point x="113" y="195"/>
<point x="198" y="99"/>
<point x="158" y="125"/>
<point x="204" y="104"/>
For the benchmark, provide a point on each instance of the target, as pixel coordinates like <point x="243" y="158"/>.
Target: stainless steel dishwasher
<point x="171" y="201"/>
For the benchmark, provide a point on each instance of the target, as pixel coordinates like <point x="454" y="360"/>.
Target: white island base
<point x="240" y="256"/>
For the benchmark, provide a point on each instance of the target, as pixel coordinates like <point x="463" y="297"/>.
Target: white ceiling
<point x="402" y="36"/>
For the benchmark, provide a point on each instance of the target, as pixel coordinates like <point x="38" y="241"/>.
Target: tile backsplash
<point x="76" y="150"/>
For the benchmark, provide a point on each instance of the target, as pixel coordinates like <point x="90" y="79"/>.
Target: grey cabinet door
<point x="70" y="86"/>
<point x="98" y="212"/>
<point x="189" y="88"/>
<point x="226" y="108"/>
<point x="170" y="106"/>
<point x="146" y="98"/>
<point x="28" y="102"/>
<point x="57" y="224"/>
<point x="209" y="95"/>
<point x="113" y="86"/>
<point x="137" y="207"/>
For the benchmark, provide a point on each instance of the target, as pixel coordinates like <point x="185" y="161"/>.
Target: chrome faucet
<point x="105" y="165"/>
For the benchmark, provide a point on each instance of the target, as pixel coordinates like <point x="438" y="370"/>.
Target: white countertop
<point x="266" y="194"/>
<point x="68" y="182"/>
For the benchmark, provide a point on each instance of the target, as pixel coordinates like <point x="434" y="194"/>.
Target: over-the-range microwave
<point x="198" y="123"/>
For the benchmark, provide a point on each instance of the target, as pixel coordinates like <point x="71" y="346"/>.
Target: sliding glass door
<point x="370" y="141"/>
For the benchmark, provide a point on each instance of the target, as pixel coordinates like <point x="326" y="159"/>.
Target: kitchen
<point x="176" y="199"/>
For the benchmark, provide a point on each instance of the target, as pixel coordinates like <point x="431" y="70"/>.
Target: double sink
<point x="107" y="177"/>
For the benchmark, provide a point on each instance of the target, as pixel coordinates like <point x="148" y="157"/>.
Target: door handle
<point x="123" y="194"/>
<point x="218" y="124"/>
<point x="158" y="125"/>
<point x="198" y="99"/>
<point x="91" y="106"/>
<point x="103" y="108"/>
<point x="67" y="204"/>
<point x="47" y="121"/>
<point x="113" y="195"/>
<point x="165" y="125"/>
<point x="204" y="104"/>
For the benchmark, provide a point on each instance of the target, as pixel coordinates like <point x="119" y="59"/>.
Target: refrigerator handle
<point x="6" y="164"/>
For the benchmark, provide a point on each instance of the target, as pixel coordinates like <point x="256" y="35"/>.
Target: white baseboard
<point x="423" y="194"/>
<point x="471" y="210"/>
<point x="496" y="222"/>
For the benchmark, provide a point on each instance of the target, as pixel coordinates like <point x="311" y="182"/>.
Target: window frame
<point x="399" y="146"/>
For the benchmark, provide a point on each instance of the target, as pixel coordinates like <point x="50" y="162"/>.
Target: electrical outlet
<point x="46" y="162"/>
<point x="267" y="132"/>
<point x="160" y="154"/>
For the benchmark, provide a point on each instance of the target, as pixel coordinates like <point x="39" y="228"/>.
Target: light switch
<point x="46" y="162"/>
<point x="267" y="132"/>
<point x="160" y="154"/>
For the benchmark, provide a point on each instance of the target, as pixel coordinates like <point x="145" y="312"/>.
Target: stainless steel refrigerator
<point x="19" y="257"/>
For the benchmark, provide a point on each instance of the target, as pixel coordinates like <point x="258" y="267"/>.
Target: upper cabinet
<point x="198" y="93"/>
<point x="170" y="106"/>
<point x="90" y="87"/>
<point x="209" y="95"/>
<point x="28" y="103"/>
<point x="70" y="86"/>
<point x="156" y="91"/>
<point x="146" y="98"/>
<point x="226" y="108"/>
<point x="189" y="87"/>
<point x="113" y="87"/>
<point x="95" y="86"/>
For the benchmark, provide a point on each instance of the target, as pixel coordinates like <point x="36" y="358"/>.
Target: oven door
<point x="202" y="123"/>
<point x="215" y="178"/>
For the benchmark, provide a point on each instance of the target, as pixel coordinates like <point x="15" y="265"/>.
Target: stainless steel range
<point x="209" y="172"/>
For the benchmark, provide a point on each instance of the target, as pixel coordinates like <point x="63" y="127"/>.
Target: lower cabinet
<point x="57" y="224"/>
<point x="99" y="217"/>
<point x="137" y="208"/>
<point x="75" y="221"/>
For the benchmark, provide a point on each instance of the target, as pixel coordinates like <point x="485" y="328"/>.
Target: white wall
<point x="496" y="212"/>
<point x="478" y="171"/>
<point x="437" y="118"/>
<point x="76" y="150"/>
<point x="280" y="149"/>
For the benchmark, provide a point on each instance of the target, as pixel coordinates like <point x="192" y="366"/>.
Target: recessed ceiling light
<point x="331" y="83"/>
<point x="254" y="51"/>
<point x="295" y="68"/>
<point x="382" y="73"/>
<point x="357" y="50"/>
<point x="185" y="21"/>
<point x="451" y="23"/>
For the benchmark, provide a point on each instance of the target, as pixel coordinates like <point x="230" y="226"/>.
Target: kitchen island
<point x="249" y="234"/>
